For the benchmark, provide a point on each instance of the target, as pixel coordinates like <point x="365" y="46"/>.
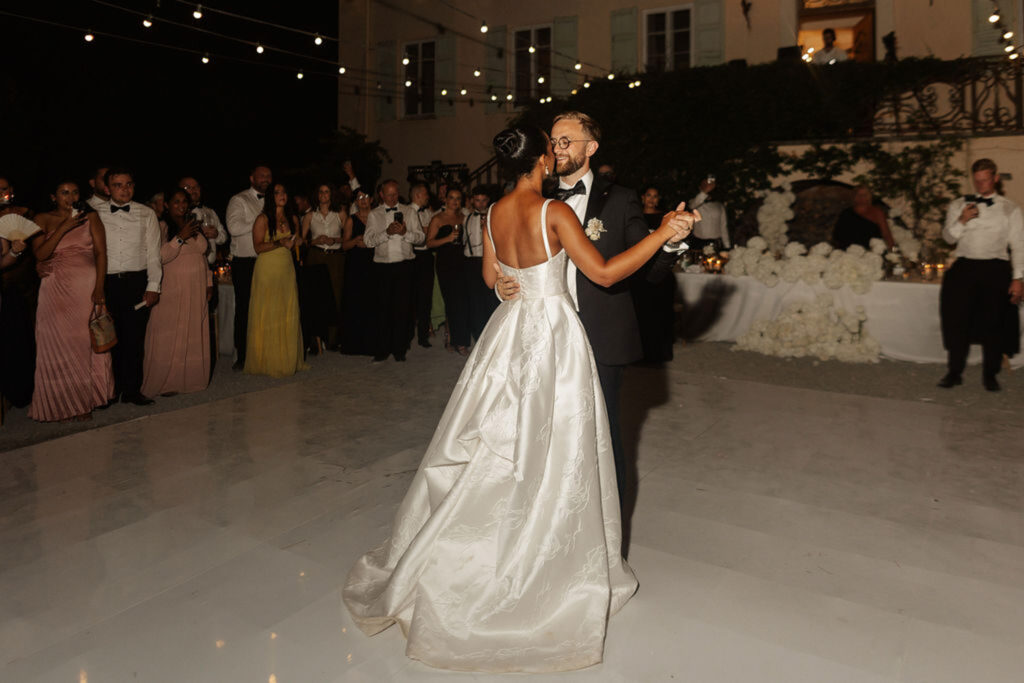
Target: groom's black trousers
<point x="610" y="377"/>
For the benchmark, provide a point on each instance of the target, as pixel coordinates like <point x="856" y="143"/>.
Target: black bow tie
<point x="479" y="213"/>
<point x="422" y="208"/>
<point x="114" y="208"/>
<point x="978" y="199"/>
<point x="259" y="196"/>
<point x="390" y="208"/>
<point x="564" y="194"/>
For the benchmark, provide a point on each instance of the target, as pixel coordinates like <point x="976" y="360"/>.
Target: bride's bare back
<point x="515" y="226"/>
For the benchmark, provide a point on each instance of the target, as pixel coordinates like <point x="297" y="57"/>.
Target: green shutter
<point x="387" y="75"/>
<point x="563" y="76"/>
<point x="495" y="70"/>
<point x="987" y="39"/>
<point x="710" y="32"/>
<point x="624" y="40"/>
<point x="444" y="74"/>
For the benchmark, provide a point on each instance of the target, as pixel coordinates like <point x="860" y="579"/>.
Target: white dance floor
<point x="780" y="535"/>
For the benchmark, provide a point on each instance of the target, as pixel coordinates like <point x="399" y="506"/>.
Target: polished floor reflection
<point x="780" y="535"/>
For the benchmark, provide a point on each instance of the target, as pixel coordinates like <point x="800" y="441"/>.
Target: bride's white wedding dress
<point x="506" y="553"/>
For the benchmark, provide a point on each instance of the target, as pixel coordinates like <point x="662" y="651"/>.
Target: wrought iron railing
<point x="984" y="98"/>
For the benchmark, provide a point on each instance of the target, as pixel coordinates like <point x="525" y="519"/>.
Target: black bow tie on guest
<point x="978" y="199"/>
<point x="422" y="208"/>
<point x="479" y="213"/>
<point x="578" y="188"/>
<point x="114" y="208"/>
<point x="390" y="208"/>
<point x="259" y="196"/>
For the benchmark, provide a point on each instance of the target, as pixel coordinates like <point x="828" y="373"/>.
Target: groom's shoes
<point x="950" y="381"/>
<point x="990" y="382"/>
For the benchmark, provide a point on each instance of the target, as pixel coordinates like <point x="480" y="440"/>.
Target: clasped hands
<point x="396" y="228"/>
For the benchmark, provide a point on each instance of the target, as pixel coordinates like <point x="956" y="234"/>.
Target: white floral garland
<point x="856" y="266"/>
<point x="815" y="329"/>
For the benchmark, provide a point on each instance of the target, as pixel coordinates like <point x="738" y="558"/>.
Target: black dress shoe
<point x="107" y="404"/>
<point x="400" y="357"/>
<point x="950" y="381"/>
<point x="137" y="399"/>
<point x="990" y="382"/>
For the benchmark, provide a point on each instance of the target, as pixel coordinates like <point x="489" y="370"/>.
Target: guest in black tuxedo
<point x="983" y="282"/>
<point x="612" y="218"/>
<point x="423" y="266"/>
<point x="481" y="301"/>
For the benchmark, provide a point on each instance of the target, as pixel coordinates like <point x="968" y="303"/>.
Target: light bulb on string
<point x="1008" y="35"/>
<point x="300" y="75"/>
<point x="1008" y="48"/>
<point x="578" y="66"/>
<point x="462" y="92"/>
<point x="611" y="77"/>
<point x="198" y="12"/>
<point x="405" y="61"/>
<point x="444" y="92"/>
<point x="408" y="83"/>
<point x="508" y="97"/>
<point x="483" y="26"/>
<point x="532" y="49"/>
<point x="1015" y="55"/>
<point x="317" y="40"/>
<point x="206" y="58"/>
<point x="89" y="37"/>
<point x="494" y="98"/>
<point x="540" y="79"/>
<point x="632" y="84"/>
<point x="574" y="91"/>
<point x="341" y="69"/>
<point x="259" y="49"/>
<point x="476" y="73"/>
<point x="586" y="84"/>
<point x="994" y="17"/>
<point x="148" y="21"/>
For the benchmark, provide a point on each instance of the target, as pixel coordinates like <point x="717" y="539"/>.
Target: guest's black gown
<point x="655" y="307"/>
<point x="852" y="228"/>
<point x="451" y="270"/>
<point x="358" y="308"/>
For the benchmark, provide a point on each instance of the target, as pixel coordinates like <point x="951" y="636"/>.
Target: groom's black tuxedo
<point x="607" y="313"/>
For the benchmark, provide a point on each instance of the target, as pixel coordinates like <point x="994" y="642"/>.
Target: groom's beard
<point x="569" y="166"/>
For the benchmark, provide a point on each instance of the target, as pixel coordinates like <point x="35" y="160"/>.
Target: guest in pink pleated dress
<point x="70" y="379"/>
<point x="177" y="358"/>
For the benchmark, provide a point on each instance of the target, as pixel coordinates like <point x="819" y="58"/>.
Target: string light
<point x="206" y="58"/>
<point x="463" y="92"/>
<point x="508" y="97"/>
<point x="994" y="17"/>
<point x="89" y="37"/>
<point x="494" y="98"/>
<point x="586" y="84"/>
<point x="405" y="61"/>
<point x="317" y="40"/>
<point x="476" y="73"/>
<point x="574" y="91"/>
<point x="259" y="49"/>
<point x="148" y="21"/>
<point x="611" y="77"/>
<point x="1008" y="35"/>
<point x="198" y="12"/>
<point x="532" y="49"/>
<point x="483" y="26"/>
<point x="444" y="92"/>
<point x="540" y="79"/>
<point x="341" y="69"/>
<point x="300" y="75"/>
<point x="1008" y="48"/>
<point x="577" y="66"/>
<point x="408" y="83"/>
<point x="1014" y="55"/>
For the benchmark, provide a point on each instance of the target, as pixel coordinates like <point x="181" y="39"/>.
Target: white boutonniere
<point x="594" y="229"/>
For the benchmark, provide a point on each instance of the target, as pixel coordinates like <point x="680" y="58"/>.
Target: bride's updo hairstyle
<point x="517" y="149"/>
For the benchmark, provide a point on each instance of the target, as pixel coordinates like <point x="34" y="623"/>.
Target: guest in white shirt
<point x="979" y="288"/>
<point x="243" y="209"/>
<point x="100" y="193"/>
<point x="133" y="277"/>
<point x="713" y="225"/>
<point x="392" y="231"/>
<point x="423" y="268"/>
<point x="213" y="230"/>
<point x="830" y="54"/>
<point x="323" y="270"/>
<point x="481" y="299"/>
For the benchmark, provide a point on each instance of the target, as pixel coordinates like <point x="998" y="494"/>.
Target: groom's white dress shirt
<point x="578" y="203"/>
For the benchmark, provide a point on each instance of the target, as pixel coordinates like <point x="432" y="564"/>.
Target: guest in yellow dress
<point x="274" y="345"/>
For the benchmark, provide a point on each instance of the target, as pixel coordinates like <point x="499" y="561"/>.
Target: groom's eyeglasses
<point x="563" y="143"/>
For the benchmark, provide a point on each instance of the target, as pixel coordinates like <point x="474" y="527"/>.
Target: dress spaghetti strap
<point x="489" y="233"/>
<point x="543" y="227"/>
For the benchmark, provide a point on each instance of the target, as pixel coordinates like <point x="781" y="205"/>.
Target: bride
<point x="505" y="553"/>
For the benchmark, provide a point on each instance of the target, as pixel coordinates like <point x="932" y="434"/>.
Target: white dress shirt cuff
<point x="677" y="248"/>
<point x="153" y="287"/>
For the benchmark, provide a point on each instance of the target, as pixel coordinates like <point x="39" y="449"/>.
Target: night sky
<point x="67" y="105"/>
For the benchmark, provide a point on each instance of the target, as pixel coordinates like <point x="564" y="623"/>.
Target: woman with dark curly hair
<point x="506" y="552"/>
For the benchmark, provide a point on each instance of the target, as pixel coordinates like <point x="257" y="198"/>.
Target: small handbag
<point x="101" y="330"/>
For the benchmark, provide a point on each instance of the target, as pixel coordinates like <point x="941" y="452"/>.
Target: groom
<point x="611" y="216"/>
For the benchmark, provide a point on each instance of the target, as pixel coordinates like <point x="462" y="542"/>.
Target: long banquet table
<point x="902" y="316"/>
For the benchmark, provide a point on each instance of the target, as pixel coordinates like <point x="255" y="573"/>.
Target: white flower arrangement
<point x="855" y="267"/>
<point x="814" y="329"/>
<point x="773" y="216"/>
<point x="594" y="229"/>
<point x="709" y="250"/>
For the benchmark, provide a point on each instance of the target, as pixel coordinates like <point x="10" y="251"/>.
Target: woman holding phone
<point x="177" y="358"/>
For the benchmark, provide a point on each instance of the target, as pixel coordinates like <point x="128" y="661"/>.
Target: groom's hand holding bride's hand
<point x="680" y="222"/>
<point x="507" y="286"/>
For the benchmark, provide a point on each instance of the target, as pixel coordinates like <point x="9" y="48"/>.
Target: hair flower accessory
<point x="594" y="229"/>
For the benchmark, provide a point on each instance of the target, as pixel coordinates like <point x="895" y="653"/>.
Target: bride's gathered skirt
<point x="505" y="554"/>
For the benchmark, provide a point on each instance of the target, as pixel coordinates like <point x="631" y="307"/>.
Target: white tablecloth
<point x="902" y="316"/>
